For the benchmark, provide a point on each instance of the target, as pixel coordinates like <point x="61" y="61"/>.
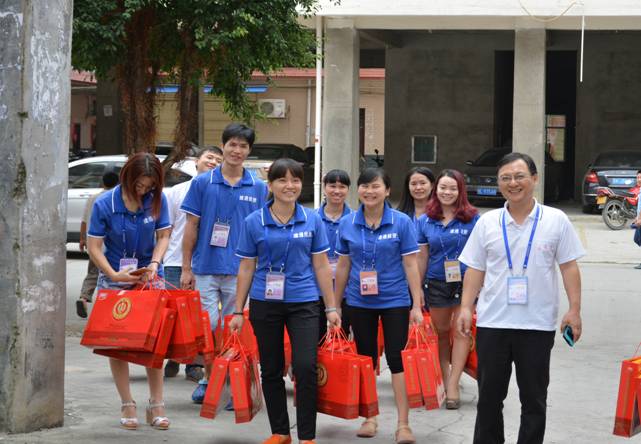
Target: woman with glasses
<point x="442" y="233"/>
<point x="130" y="229"/>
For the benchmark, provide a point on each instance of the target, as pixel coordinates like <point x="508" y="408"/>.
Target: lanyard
<point x="529" y="244"/>
<point x="458" y="244"/>
<point x="124" y="238"/>
<point x="269" y="252"/>
<point x="373" y="251"/>
<point x="218" y="203"/>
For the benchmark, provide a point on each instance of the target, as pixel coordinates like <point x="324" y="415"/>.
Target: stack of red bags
<point x="234" y="367"/>
<point x="346" y="380"/>
<point x="146" y="326"/>
<point x="422" y="370"/>
<point x="626" y="422"/>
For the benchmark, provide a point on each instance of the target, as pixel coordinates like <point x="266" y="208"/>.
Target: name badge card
<point x="452" y="271"/>
<point x="275" y="286"/>
<point x="128" y="264"/>
<point x="333" y="262"/>
<point x="517" y="290"/>
<point x="369" y="283"/>
<point x="220" y="235"/>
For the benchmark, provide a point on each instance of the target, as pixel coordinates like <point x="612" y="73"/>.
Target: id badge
<point x="128" y="264"/>
<point x="517" y="290"/>
<point x="333" y="262"/>
<point x="275" y="286"/>
<point x="220" y="235"/>
<point x="452" y="271"/>
<point x="369" y="283"/>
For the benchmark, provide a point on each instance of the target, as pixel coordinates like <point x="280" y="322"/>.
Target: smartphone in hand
<point x="140" y="271"/>
<point x="568" y="335"/>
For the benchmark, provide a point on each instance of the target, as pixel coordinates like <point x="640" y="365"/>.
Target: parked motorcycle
<point x="617" y="207"/>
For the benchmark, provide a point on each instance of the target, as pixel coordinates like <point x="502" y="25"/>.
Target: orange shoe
<point x="278" y="439"/>
<point x="308" y="441"/>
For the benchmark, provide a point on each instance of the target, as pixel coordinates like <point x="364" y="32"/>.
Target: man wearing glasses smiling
<point x="511" y="257"/>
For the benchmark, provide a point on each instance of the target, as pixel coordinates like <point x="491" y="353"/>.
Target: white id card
<point x="128" y="264"/>
<point x="452" y="271"/>
<point x="275" y="286"/>
<point x="369" y="283"/>
<point x="220" y="235"/>
<point x="333" y="262"/>
<point x="517" y="290"/>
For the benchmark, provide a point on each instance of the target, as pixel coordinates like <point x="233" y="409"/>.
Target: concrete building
<point x="462" y="77"/>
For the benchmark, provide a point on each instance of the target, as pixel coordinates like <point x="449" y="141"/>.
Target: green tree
<point x="221" y="42"/>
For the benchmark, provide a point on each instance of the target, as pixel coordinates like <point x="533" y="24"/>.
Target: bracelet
<point x="330" y="310"/>
<point x="154" y="262"/>
<point x="238" y="313"/>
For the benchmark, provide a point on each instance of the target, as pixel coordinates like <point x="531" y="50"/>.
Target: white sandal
<point x="157" y="422"/>
<point x="128" y="423"/>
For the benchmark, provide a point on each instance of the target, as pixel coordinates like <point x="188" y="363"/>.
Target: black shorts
<point x="441" y="294"/>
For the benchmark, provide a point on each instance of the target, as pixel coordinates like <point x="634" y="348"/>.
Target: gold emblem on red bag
<point x="322" y="375"/>
<point x="121" y="309"/>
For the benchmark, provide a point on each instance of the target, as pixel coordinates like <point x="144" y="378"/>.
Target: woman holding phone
<point x="129" y="230"/>
<point x="284" y="270"/>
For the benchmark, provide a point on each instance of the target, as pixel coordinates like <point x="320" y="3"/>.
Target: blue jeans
<point x="104" y="283"/>
<point x="217" y="295"/>
<point x="172" y="276"/>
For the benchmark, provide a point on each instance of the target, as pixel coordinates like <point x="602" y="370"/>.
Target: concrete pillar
<point x="340" y="100"/>
<point x="529" y="98"/>
<point x="35" y="48"/>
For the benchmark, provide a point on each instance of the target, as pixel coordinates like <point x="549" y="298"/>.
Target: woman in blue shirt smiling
<point x="336" y="186"/>
<point x="283" y="249"/>
<point x="377" y="265"/>
<point x="442" y="233"/>
<point x="131" y="221"/>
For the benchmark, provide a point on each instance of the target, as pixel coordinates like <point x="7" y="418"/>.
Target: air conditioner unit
<point x="273" y="108"/>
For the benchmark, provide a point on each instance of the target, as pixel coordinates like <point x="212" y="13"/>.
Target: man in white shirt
<point x="208" y="159"/>
<point x="511" y="257"/>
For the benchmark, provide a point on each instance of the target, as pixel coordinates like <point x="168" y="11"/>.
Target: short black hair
<point x="335" y="176"/>
<point x="371" y="174"/>
<point x="280" y="167"/>
<point x="239" y="131"/>
<point x="110" y="180"/>
<point x="513" y="157"/>
<point x="210" y="149"/>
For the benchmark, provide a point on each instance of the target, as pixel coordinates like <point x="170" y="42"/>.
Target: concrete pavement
<point x="582" y="395"/>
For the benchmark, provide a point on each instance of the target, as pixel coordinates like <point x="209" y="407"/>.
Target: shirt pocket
<point x="544" y="253"/>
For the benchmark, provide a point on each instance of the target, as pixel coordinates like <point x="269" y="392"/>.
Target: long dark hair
<point x="464" y="210"/>
<point x="406" y="204"/>
<point x="140" y="165"/>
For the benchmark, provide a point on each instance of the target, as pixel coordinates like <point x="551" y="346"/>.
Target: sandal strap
<point x="128" y="404"/>
<point x="159" y="419"/>
<point x="155" y="405"/>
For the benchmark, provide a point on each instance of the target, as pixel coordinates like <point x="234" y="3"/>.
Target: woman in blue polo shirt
<point x="377" y="270"/>
<point x="335" y="186"/>
<point x="442" y="234"/>
<point x="417" y="189"/>
<point x="131" y="223"/>
<point x="283" y="249"/>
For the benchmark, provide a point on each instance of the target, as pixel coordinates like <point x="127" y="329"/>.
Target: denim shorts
<point x="441" y="294"/>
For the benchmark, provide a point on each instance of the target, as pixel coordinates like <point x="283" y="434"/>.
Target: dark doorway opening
<point x="560" y="100"/>
<point x="503" y="97"/>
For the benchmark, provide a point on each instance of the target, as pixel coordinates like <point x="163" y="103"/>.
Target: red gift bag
<point x="208" y="352"/>
<point x="626" y="421"/>
<point x="214" y="400"/>
<point x="422" y="370"/>
<point x="412" y="378"/>
<point x="430" y="378"/>
<point x="192" y="298"/>
<point x="368" y="397"/>
<point x="125" y="320"/>
<point x="152" y="359"/>
<point x="246" y="391"/>
<point x="182" y="346"/>
<point x="338" y="384"/>
<point x="472" y="363"/>
<point x="287" y="346"/>
<point x="246" y="335"/>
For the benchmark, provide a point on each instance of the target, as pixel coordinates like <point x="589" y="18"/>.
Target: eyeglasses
<point x="518" y="178"/>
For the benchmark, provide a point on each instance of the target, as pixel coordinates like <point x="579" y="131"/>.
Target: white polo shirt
<point x="175" y="196"/>
<point x="555" y="242"/>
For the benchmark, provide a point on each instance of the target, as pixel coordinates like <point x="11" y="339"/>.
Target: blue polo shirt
<point x="331" y="227"/>
<point x="445" y="242"/>
<point x="383" y="248"/>
<point x="213" y="199"/>
<point x="306" y="236"/>
<point x="126" y="234"/>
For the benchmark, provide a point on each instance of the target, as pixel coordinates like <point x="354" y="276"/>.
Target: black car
<point x="613" y="169"/>
<point x="480" y="177"/>
<point x="273" y="151"/>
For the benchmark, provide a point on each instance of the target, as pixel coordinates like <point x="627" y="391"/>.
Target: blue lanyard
<point x="268" y="250"/>
<point x="458" y="244"/>
<point x="373" y="251"/>
<point x="218" y="203"/>
<point x="529" y="244"/>
<point x="124" y="238"/>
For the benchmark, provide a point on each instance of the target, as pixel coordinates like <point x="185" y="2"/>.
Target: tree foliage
<point x="220" y="42"/>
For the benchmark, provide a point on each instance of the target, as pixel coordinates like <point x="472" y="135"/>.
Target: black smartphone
<point x="568" y="335"/>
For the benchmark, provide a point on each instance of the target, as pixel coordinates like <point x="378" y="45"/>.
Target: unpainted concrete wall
<point x="35" y="47"/>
